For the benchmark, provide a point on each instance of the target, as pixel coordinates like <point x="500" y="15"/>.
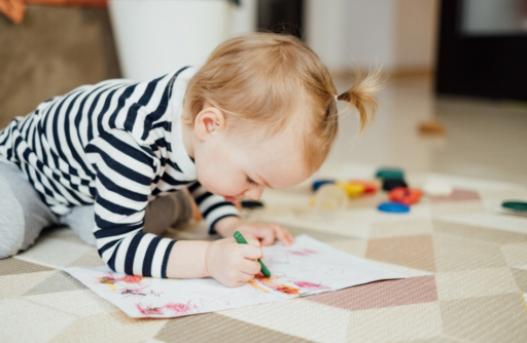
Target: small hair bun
<point x="344" y="96"/>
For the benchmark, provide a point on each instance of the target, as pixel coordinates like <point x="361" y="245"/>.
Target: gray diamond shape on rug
<point x="10" y="266"/>
<point x="58" y="282"/>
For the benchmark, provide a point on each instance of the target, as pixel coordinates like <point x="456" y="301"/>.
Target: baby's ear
<point x="209" y="120"/>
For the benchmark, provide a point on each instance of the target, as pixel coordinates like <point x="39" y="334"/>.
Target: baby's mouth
<point x="234" y="200"/>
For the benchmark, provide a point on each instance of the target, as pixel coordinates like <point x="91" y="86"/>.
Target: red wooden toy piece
<point x="407" y="196"/>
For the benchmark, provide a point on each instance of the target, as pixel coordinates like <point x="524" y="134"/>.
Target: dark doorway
<point x="483" y="49"/>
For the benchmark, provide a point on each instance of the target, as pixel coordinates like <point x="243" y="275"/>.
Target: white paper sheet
<point x="307" y="267"/>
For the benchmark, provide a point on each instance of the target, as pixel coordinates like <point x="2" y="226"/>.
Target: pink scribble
<point x="307" y="284"/>
<point x="175" y="308"/>
<point x="149" y="310"/>
<point x="178" y="308"/>
<point x="303" y="252"/>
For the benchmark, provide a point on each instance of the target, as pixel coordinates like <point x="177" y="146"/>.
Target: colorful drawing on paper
<point x="307" y="267"/>
<point x="277" y="286"/>
<point x="303" y="252"/>
<point x="170" y="309"/>
<point x="110" y="279"/>
<point x="310" y="285"/>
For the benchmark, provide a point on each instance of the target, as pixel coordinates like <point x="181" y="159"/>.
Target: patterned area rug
<point x="475" y="251"/>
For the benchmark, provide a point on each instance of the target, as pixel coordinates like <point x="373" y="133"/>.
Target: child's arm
<point x="124" y="174"/>
<point x="188" y="260"/>
<point x="124" y="171"/>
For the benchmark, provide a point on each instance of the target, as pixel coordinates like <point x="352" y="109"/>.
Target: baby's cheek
<point x="219" y="183"/>
<point x="206" y="178"/>
<point x="229" y="186"/>
<point x="219" y="176"/>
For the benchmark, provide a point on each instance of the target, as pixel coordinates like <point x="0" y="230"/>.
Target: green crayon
<point x="241" y="240"/>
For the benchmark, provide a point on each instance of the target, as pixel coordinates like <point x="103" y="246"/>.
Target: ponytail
<point x="361" y="95"/>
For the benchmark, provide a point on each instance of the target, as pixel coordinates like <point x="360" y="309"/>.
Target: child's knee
<point x="81" y="221"/>
<point x="22" y="214"/>
<point x="168" y="211"/>
<point x="183" y="207"/>
<point x="12" y="224"/>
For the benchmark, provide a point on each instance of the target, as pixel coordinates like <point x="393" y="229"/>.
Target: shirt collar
<point x="179" y="155"/>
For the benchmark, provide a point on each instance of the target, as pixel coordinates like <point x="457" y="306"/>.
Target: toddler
<point x="113" y="160"/>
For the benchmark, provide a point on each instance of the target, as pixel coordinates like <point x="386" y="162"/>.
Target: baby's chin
<point x="211" y="187"/>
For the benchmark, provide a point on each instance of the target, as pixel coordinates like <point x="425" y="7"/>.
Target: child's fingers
<point x="261" y="233"/>
<point x="267" y="236"/>
<point x="253" y="241"/>
<point x="290" y="237"/>
<point x="250" y="267"/>
<point x="283" y="235"/>
<point x="250" y="251"/>
<point x="244" y="278"/>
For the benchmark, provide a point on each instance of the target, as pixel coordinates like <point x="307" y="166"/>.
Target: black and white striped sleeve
<point x="124" y="174"/>
<point x="213" y="207"/>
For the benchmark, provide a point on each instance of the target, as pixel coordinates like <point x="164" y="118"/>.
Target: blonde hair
<point x="260" y="77"/>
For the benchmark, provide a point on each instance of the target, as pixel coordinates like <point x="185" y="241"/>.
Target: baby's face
<point x="241" y="166"/>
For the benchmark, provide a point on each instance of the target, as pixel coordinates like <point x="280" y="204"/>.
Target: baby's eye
<point x="251" y="181"/>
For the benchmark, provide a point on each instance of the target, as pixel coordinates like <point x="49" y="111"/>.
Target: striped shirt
<point x="117" y="145"/>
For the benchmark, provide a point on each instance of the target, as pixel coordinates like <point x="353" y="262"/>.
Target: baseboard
<point x="394" y="73"/>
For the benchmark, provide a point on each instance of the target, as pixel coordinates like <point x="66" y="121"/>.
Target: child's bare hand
<point x="231" y="263"/>
<point x="266" y="233"/>
<point x="263" y="232"/>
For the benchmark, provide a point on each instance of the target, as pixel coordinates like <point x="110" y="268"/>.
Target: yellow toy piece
<point x="352" y="189"/>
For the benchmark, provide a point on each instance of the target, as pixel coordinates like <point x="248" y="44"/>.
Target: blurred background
<point x="454" y="100"/>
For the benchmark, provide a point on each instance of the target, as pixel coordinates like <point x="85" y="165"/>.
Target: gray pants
<point x="23" y="215"/>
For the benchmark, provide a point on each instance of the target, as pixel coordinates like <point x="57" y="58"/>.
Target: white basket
<point x="154" y="37"/>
